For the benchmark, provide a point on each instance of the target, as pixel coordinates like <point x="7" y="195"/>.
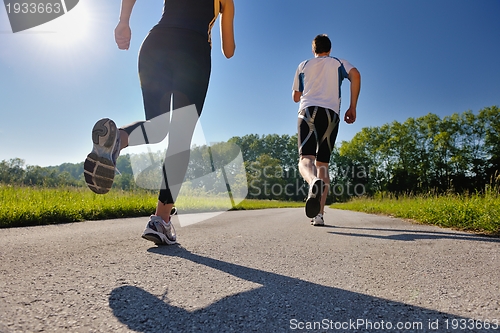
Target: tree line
<point x="458" y="153"/>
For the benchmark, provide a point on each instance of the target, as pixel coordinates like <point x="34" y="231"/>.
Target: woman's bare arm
<point x="123" y="34"/>
<point x="227" y="28"/>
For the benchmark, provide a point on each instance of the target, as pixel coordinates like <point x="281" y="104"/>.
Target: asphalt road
<point x="250" y="271"/>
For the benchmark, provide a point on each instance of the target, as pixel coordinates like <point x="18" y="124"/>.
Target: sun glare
<point x="71" y="41"/>
<point x="67" y="30"/>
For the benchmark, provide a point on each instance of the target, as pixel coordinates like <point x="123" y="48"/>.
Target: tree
<point x="265" y="179"/>
<point x="12" y="171"/>
<point x="491" y="116"/>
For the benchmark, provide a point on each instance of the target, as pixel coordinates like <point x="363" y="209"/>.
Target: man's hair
<point x="321" y="44"/>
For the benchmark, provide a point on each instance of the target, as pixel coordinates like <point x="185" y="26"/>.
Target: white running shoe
<point x="318" y="220"/>
<point x="159" y="231"/>
<point x="100" y="165"/>
<point x="313" y="202"/>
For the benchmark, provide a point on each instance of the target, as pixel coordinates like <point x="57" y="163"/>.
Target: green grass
<point x="249" y="204"/>
<point x="477" y="212"/>
<point x="30" y="206"/>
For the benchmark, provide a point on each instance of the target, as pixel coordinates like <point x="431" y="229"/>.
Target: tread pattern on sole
<point x="104" y="127"/>
<point x="99" y="173"/>
<point x="99" y="169"/>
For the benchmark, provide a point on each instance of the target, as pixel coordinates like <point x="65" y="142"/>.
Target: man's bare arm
<point x="355" y="78"/>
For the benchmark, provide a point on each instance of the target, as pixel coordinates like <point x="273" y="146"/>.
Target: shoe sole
<point x="313" y="204"/>
<point x="99" y="169"/>
<point x="313" y="207"/>
<point x="155" y="237"/>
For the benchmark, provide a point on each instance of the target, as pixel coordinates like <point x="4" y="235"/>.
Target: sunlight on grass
<point x="476" y="212"/>
<point x="23" y="206"/>
<point x="29" y="206"/>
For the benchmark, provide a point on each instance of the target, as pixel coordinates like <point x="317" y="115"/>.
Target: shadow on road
<point x="413" y="235"/>
<point x="281" y="304"/>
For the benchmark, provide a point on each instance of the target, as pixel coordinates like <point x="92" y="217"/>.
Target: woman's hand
<point x="123" y="35"/>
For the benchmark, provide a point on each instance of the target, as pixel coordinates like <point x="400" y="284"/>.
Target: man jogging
<point x="316" y="86"/>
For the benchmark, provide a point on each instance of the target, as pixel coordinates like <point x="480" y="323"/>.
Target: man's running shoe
<point x="318" y="220"/>
<point x="313" y="202"/>
<point x="99" y="167"/>
<point x="160" y="232"/>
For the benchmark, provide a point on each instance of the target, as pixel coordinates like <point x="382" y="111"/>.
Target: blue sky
<point x="415" y="57"/>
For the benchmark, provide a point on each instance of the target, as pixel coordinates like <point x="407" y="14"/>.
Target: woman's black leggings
<point x="174" y="67"/>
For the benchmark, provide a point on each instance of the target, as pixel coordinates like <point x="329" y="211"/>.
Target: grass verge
<point x="30" y="206"/>
<point x="479" y="213"/>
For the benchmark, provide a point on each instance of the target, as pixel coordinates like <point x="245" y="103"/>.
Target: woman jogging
<point x="174" y="72"/>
